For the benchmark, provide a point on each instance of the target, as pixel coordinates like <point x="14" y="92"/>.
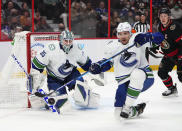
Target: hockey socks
<point x="168" y="82"/>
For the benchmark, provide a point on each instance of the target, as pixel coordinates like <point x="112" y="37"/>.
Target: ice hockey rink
<point x="164" y="114"/>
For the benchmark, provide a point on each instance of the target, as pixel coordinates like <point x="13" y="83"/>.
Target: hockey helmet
<point x="66" y="40"/>
<point x="165" y="10"/>
<point x="125" y="26"/>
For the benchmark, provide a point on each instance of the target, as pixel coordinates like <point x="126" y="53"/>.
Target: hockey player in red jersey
<point x="172" y="50"/>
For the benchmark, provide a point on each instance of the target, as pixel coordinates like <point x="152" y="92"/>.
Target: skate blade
<point x="172" y="95"/>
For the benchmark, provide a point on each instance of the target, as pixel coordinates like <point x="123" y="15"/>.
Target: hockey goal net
<point x="13" y="78"/>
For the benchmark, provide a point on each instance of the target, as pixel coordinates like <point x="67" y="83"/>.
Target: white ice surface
<point x="161" y="114"/>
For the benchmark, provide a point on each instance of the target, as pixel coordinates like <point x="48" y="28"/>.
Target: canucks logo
<point x="66" y="68"/>
<point x="128" y="59"/>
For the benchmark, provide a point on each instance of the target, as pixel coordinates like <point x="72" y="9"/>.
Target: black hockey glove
<point x="95" y="68"/>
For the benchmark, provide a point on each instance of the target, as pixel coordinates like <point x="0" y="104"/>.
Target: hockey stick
<point x="79" y="77"/>
<point x="41" y="91"/>
<point x="21" y="66"/>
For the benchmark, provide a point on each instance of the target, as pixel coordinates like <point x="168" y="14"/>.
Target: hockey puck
<point x="51" y="101"/>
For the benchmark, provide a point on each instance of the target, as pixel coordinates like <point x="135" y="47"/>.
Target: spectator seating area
<point x="89" y="18"/>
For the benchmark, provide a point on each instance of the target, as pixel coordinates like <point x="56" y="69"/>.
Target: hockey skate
<point x="129" y="112"/>
<point x="171" y="91"/>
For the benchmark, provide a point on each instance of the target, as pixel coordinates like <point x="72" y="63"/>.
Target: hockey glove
<point x="157" y="38"/>
<point x="140" y="40"/>
<point x="143" y="38"/>
<point x="95" y="68"/>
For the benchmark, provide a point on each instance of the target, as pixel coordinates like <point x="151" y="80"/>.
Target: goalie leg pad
<point x="61" y="102"/>
<point x="84" y="96"/>
<point x="36" y="102"/>
<point x="98" y="79"/>
<point x="93" y="100"/>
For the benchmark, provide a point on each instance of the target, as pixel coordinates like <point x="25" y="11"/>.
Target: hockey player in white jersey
<point x="60" y="60"/>
<point x="132" y="71"/>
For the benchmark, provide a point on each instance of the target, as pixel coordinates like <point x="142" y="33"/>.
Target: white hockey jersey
<point x="127" y="61"/>
<point x="57" y="62"/>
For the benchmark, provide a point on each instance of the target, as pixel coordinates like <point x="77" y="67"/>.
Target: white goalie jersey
<point x="127" y="61"/>
<point x="57" y="62"/>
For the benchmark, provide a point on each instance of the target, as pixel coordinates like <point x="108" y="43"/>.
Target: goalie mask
<point x="66" y="40"/>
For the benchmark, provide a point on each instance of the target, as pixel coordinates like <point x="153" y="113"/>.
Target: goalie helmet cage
<point x="13" y="79"/>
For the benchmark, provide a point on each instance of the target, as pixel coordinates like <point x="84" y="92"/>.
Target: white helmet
<point x="69" y="36"/>
<point x="125" y="26"/>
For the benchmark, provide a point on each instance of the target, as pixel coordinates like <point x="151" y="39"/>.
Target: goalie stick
<point x="29" y="87"/>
